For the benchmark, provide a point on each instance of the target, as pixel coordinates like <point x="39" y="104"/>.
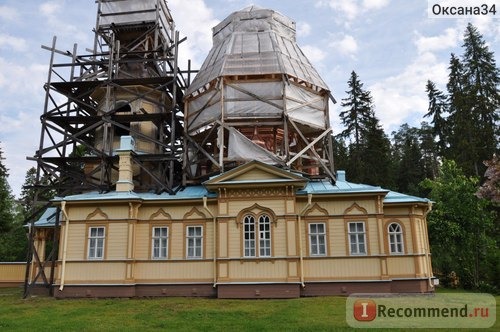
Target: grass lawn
<point x="173" y="314"/>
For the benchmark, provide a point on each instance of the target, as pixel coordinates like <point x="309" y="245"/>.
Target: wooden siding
<point x="174" y="271"/>
<point x="127" y="257"/>
<point x="357" y="268"/>
<point x="401" y="266"/>
<point x="95" y="272"/>
<point x="12" y="273"/>
<point x="116" y="242"/>
<point x="258" y="270"/>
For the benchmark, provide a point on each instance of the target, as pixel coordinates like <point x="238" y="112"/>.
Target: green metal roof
<point x="324" y="187"/>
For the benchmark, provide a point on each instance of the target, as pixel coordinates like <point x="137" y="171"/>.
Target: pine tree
<point x="461" y="123"/>
<point x="430" y="151"/>
<point x="340" y="153"/>
<point x="12" y="234"/>
<point x="7" y="211"/>
<point x="410" y="170"/>
<point x="356" y="118"/>
<point x="482" y="79"/>
<point x="359" y="106"/>
<point x="34" y="198"/>
<point x="437" y="109"/>
<point x="377" y="155"/>
<point x="474" y="102"/>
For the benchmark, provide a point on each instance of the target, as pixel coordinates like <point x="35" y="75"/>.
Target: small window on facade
<point x="96" y="243"/>
<point x="159" y="242"/>
<point x="249" y="225"/>
<point x="194" y="242"/>
<point x="357" y="238"/>
<point x="395" y="238"/>
<point x="317" y="239"/>
<point x="257" y="231"/>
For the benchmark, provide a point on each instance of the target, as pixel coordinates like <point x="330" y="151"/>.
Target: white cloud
<point x="375" y="4"/>
<point x="59" y="17"/>
<point x="350" y="9"/>
<point x="402" y="98"/>
<point x="449" y="39"/>
<point x="19" y="79"/>
<point x="346" y="45"/>
<point x="14" y="43"/>
<point x="8" y="13"/>
<point x="303" y="29"/>
<point x="314" y="54"/>
<point x="198" y="31"/>
<point x="50" y="8"/>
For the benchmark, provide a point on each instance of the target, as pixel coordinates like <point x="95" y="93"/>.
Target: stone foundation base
<point x="245" y="291"/>
<point x="258" y="291"/>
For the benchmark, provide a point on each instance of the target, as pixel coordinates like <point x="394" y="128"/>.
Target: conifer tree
<point x="430" y="151"/>
<point x="12" y="233"/>
<point x="376" y="155"/>
<point x="356" y="118"/>
<point x="410" y="171"/>
<point x="437" y="111"/>
<point x="7" y="211"/>
<point x="359" y="106"/>
<point x="474" y="103"/>
<point x="482" y="80"/>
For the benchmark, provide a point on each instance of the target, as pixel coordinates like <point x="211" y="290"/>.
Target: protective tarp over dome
<point x="256" y="41"/>
<point x="257" y="97"/>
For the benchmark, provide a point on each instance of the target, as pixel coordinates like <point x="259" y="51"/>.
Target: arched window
<point x="395" y="233"/>
<point x="257" y="235"/>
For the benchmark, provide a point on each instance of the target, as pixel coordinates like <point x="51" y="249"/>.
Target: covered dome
<point x="256" y="41"/>
<point x="257" y="97"/>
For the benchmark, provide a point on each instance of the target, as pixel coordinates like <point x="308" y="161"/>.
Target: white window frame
<point x="316" y="247"/>
<point x="257" y="235"/>
<point x="249" y="242"/>
<point x="357" y="238"/>
<point x="194" y="242"/>
<point x="264" y="235"/>
<point x="96" y="243"/>
<point x="395" y="239"/>
<point x="159" y="243"/>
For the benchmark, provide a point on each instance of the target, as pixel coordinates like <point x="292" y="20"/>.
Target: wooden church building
<point x="259" y="211"/>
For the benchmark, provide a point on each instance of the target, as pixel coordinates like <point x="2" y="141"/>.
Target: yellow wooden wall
<point x="128" y="242"/>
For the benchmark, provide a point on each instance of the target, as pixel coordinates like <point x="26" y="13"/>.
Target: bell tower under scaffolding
<point x="129" y="84"/>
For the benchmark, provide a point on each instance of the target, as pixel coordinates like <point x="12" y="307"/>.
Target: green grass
<point x="172" y="314"/>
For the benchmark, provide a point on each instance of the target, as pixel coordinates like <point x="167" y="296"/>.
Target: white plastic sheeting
<point x="258" y="100"/>
<point x="123" y="12"/>
<point x="204" y="110"/>
<point x="306" y="107"/>
<point x="248" y="19"/>
<point x="240" y="148"/>
<point x="239" y="102"/>
<point x="255" y="41"/>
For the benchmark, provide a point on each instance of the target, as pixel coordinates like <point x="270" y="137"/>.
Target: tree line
<point x="451" y="158"/>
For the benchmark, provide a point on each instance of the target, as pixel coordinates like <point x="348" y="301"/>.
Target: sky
<point x="393" y="46"/>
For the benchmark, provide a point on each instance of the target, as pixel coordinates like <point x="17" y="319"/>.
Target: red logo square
<point x="365" y="310"/>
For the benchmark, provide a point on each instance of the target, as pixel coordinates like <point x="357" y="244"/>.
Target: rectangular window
<point x="249" y="234"/>
<point x="357" y="239"/>
<point x="265" y="236"/>
<point x="96" y="243"/>
<point x="194" y="242"/>
<point x="159" y="242"/>
<point x="317" y="239"/>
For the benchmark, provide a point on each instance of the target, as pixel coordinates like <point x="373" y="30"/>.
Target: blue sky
<point x="392" y="45"/>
